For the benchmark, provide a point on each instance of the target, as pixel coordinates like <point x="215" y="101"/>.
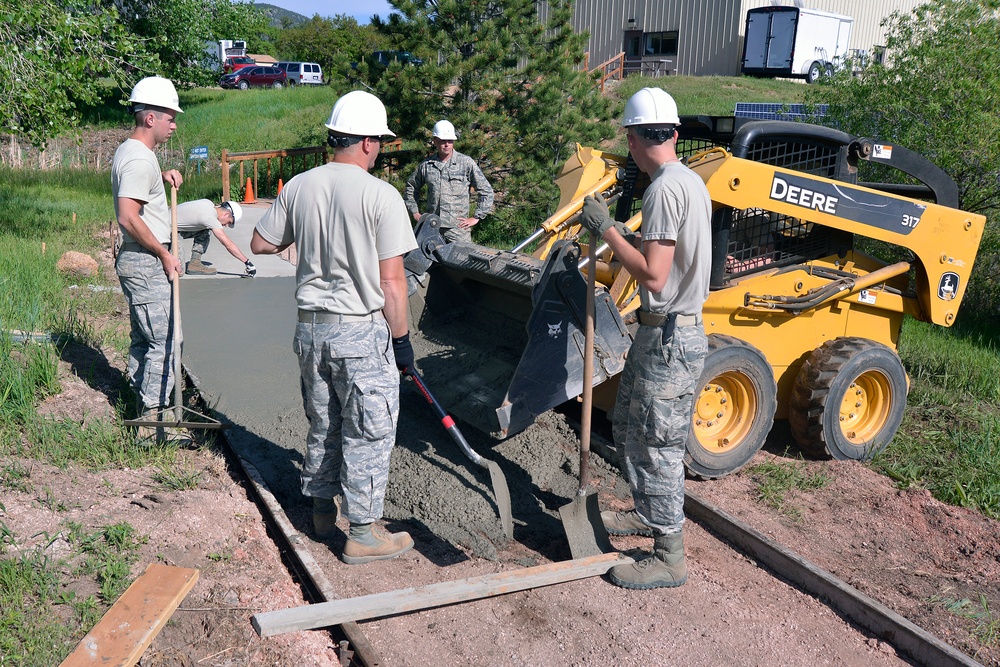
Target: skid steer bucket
<point x="507" y="330"/>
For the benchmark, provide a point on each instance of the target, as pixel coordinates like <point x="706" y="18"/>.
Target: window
<point x="293" y="67"/>
<point x="661" y="43"/>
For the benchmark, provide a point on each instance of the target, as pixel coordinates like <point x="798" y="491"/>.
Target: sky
<point x="361" y="10"/>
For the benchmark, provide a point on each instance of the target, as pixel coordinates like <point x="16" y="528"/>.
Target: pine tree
<point x="508" y="74"/>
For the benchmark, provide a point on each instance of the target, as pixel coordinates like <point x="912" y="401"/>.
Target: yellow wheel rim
<point x="724" y="412"/>
<point x="865" y="407"/>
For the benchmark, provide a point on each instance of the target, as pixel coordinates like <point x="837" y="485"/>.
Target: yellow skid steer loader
<point x="802" y="325"/>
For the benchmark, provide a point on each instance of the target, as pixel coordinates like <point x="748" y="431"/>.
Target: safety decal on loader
<point x="869" y="208"/>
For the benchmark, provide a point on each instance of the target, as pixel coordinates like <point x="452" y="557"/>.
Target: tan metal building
<point x="702" y="37"/>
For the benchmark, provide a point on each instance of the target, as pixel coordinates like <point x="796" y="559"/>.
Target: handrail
<point x="612" y="68"/>
<point x="393" y="148"/>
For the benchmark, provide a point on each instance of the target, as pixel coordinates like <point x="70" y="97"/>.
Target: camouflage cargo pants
<point x="151" y="351"/>
<point x="452" y="234"/>
<point x="350" y="392"/>
<point x="652" y="419"/>
<point x="201" y="240"/>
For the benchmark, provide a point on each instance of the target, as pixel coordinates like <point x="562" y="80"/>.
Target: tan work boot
<point x="326" y="512"/>
<point x="374" y="544"/>
<point x="625" y="523"/>
<point x="197" y="268"/>
<point x="664" y="569"/>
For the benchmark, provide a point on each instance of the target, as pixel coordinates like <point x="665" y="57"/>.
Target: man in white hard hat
<point x="195" y="219"/>
<point x="652" y="416"/>
<point x="350" y="231"/>
<point x="448" y="176"/>
<point x="145" y="265"/>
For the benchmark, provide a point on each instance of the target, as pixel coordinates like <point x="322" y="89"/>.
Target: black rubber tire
<point x="243" y="85"/>
<point x="737" y="380"/>
<point x="815" y="72"/>
<point x="277" y="84"/>
<point x="848" y="399"/>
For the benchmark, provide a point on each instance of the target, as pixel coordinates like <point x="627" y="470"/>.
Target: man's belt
<point x="138" y="247"/>
<point x="661" y="319"/>
<point x="324" y="317"/>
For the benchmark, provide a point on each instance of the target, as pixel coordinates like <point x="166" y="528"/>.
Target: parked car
<point x="234" y="63"/>
<point x="268" y="77"/>
<point x="383" y="58"/>
<point x="302" y="73"/>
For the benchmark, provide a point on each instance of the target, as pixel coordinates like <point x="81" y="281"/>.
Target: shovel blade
<point x="584" y="528"/>
<point x="501" y="492"/>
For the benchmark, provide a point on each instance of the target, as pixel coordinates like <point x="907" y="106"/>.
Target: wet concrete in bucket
<point x="238" y="344"/>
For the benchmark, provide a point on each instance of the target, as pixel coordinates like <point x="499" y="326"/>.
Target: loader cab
<point x="745" y="241"/>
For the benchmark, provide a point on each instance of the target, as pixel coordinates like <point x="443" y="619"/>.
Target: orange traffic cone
<point x="280" y="185"/>
<point x="248" y="197"/>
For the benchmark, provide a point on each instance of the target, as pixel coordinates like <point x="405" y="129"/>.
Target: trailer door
<point x="770" y="38"/>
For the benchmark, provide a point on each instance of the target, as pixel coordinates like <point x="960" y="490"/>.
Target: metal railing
<point x="267" y="168"/>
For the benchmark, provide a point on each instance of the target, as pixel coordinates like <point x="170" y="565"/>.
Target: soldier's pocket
<point x="666" y="410"/>
<point x="374" y="413"/>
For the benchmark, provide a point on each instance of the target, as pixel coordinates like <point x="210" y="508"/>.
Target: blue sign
<point x="199" y="153"/>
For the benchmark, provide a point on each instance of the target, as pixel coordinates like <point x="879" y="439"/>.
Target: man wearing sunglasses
<point x="195" y="219"/>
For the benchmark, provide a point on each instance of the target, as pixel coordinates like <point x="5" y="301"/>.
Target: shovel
<point x="582" y="518"/>
<point x="500" y="490"/>
<point x="163" y="417"/>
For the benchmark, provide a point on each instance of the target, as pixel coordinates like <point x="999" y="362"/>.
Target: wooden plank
<point x="377" y="605"/>
<point x="129" y="627"/>
<point x="860" y="609"/>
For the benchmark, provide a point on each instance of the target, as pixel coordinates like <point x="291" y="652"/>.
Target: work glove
<point x="404" y="353"/>
<point x="595" y="216"/>
<point x="251" y="269"/>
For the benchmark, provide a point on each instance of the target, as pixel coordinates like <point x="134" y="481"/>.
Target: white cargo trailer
<point x="794" y="42"/>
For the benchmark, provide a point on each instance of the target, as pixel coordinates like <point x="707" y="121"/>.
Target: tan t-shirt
<point x="135" y="174"/>
<point x="194" y="216"/>
<point x="343" y="221"/>
<point x="677" y="207"/>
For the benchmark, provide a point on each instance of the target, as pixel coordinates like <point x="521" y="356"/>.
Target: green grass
<point x="777" y="481"/>
<point x="985" y="625"/>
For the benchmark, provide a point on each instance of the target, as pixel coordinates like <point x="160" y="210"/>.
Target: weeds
<point x="108" y="555"/>
<point x="776" y="480"/>
<point x="985" y="625"/>
<point x="173" y="478"/>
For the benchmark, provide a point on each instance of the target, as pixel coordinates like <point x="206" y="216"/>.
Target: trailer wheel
<point x="733" y="410"/>
<point x="848" y="399"/>
<point x="815" y="72"/>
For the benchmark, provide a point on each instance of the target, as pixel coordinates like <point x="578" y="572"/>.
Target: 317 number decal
<point x="910" y="221"/>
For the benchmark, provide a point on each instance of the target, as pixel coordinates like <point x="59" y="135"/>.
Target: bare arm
<point x="173" y="177"/>
<point x="261" y="246"/>
<point x="392" y="279"/>
<point x="230" y="245"/>
<point x="650" y="266"/>
<point x="134" y="226"/>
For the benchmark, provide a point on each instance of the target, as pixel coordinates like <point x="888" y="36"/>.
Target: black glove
<point x="595" y="216"/>
<point x="404" y="353"/>
<point x="251" y="269"/>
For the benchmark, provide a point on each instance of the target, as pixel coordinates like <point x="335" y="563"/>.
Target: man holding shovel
<point x="652" y="416"/>
<point x="145" y="265"/>
<point x="350" y="231"/>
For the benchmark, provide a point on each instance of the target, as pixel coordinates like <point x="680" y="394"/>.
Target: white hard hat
<point x="650" y="106"/>
<point x="235" y="208"/>
<point x="156" y="91"/>
<point x="359" y="114"/>
<point x="444" y="130"/>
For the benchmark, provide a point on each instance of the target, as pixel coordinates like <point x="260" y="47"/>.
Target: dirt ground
<point x="903" y="548"/>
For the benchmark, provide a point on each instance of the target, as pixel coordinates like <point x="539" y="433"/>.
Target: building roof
<point x="262" y="59"/>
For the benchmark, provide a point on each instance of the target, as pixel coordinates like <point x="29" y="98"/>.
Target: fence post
<point x="225" y="174"/>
